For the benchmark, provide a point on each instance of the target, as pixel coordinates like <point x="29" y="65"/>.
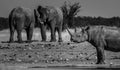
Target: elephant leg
<point x="29" y="34"/>
<point x="19" y="36"/>
<point x="12" y="30"/>
<point x="59" y="34"/>
<point x="53" y="35"/>
<point x="100" y="55"/>
<point x="43" y="32"/>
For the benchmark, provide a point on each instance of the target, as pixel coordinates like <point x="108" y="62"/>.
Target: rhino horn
<point x="69" y="32"/>
<point x="75" y="29"/>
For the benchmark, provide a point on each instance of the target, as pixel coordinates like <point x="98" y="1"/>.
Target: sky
<point x="103" y="8"/>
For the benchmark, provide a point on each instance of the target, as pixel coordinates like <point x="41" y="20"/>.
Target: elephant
<point x="21" y="18"/>
<point x="53" y="18"/>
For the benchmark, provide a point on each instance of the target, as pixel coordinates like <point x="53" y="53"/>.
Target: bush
<point x="4" y="23"/>
<point x="83" y="21"/>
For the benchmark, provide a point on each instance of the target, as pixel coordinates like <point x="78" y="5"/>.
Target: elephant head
<point x="37" y="17"/>
<point x="42" y="14"/>
<point x="51" y="17"/>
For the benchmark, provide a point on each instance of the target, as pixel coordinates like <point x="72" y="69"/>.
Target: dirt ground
<point x="44" y="54"/>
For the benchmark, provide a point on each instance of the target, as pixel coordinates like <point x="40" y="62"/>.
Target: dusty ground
<point x="50" y="53"/>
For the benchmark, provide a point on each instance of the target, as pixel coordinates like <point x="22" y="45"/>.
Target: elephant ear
<point x="51" y="13"/>
<point x="37" y="15"/>
<point x="39" y="7"/>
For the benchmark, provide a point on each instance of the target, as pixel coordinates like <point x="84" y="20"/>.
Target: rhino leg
<point x="100" y="55"/>
<point x="12" y="30"/>
<point x="43" y="32"/>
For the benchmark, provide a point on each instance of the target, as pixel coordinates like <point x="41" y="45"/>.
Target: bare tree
<point x="70" y="11"/>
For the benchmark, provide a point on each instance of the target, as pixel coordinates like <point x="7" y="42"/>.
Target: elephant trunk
<point x="37" y="15"/>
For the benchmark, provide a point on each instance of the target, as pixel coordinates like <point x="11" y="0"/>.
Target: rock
<point x="35" y="61"/>
<point x="67" y="59"/>
<point x="30" y="48"/>
<point x="111" y="63"/>
<point x="18" y="60"/>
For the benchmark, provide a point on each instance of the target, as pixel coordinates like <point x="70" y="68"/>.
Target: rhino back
<point x="109" y="37"/>
<point x="112" y="38"/>
<point x="112" y="33"/>
<point x="96" y="34"/>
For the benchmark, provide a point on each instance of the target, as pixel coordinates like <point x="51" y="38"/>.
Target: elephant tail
<point x="11" y="19"/>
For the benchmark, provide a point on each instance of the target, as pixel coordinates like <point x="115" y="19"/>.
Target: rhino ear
<point x="77" y="29"/>
<point x="84" y="29"/>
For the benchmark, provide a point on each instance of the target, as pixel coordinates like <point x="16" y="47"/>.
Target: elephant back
<point x="54" y="12"/>
<point x="21" y="14"/>
<point x="59" y="12"/>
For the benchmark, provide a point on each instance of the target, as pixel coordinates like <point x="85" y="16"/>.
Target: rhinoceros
<point x="101" y="37"/>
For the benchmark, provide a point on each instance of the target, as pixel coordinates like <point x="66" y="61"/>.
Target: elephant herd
<point x="23" y="18"/>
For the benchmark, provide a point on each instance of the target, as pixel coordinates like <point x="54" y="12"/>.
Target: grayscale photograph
<point x="59" y="34"/>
